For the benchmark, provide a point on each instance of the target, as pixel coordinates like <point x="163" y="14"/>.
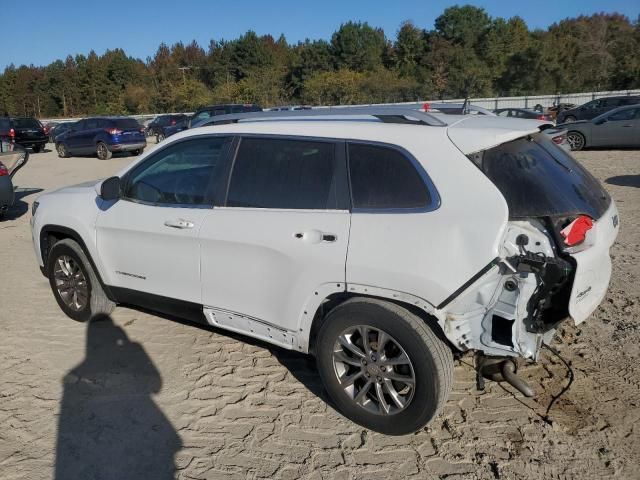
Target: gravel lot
<point x="99" y="401"/>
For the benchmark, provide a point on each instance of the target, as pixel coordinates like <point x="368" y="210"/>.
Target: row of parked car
<point x="603" y="122"/>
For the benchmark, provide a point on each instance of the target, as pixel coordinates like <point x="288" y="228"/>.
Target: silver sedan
<point x="617" y="128"/>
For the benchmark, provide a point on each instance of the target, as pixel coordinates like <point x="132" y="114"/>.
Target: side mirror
<point x="110" y="189"/>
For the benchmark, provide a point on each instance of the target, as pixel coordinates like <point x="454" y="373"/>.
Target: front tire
<point x="160" y="137"/>
<point x="62" y="150"/>
<point x="103" y="151"/>
<point x="383" y="366"/>
<point x="137" y="152"/>
<point x="74" y="283"/>
<point x="576" y="141"/>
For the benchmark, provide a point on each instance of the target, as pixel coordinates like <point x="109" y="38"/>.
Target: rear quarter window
<point x="384" y="178"/>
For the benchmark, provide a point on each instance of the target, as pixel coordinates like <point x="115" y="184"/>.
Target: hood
<point x="79" y="188"/>
<point x="473" y="133"/>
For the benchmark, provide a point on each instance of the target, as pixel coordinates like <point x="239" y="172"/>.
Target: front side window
<point x="384" y="178"/>
<point x="627" y="114"/>
<point x="285" y="174"/>
<point x="201" y="116"/>
<point x="186" y="173"/>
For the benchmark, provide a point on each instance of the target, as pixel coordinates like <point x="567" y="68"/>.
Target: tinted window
<point x="289" y="174"/>
<point x="629" y="101"/>
<point x="127" y="124"/>
<point x="627" y="114"/>
<point x="383" y="177"/>
<point x="539" y="179"/>
<point x="26" y="123"/>
<point x="91" y="124"/>
<point x="185" y="173"/>
<point x="4" y="124"/>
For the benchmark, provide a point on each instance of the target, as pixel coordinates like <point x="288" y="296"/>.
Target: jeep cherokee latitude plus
<point x="381" y="244"/>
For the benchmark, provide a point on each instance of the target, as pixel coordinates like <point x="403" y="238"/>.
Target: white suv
<point x="379" y="239"/>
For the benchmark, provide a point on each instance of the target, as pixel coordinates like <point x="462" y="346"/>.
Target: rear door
<point x="281" y="238"/>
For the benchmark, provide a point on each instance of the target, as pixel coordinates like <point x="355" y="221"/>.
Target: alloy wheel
<point x="71" y="284"/>
<point x="374" y="370"/>
<point x="576" y="141"/>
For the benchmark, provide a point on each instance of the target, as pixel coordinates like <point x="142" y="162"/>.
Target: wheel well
<point x="50" y="234"/>
<point x="333" y="300"/>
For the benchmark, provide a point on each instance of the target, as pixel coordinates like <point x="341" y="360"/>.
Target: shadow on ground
<point x="109" y="426"/>
<point x="20" y="207"/>
<point x="624" y="181"/>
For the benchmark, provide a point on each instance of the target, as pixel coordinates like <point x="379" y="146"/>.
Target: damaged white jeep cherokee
<point x="379" y="239"/>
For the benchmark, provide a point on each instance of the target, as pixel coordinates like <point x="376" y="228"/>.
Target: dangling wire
<point x="571" y="377"/>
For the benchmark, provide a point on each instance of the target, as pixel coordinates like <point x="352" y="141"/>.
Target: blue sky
<point x="46" y="30"/>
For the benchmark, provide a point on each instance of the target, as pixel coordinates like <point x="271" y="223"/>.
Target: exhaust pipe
<point x="500" y="369"/>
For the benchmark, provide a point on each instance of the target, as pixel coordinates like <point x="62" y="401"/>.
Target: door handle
<point x="627" y="126"/>
<point x="179" y="223"/>
<point x="315" y="236"/>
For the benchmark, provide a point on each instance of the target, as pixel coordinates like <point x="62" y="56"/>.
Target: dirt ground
<point x="91" y="401"/>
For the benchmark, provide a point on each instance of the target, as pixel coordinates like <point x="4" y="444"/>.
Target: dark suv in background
<point x="595" y="107"/>
<point x="102" y="136"/>
<point x="156" y="126"/>
<point x="224" y="109"/>
<point x="24" y="131"/>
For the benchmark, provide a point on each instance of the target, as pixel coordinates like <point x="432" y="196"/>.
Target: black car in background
<point x="224" y="109"/>
<point x="521" y="113"/>
<point x="11" y="160"/>
<point x="156" y="126"/>
<point x="595" y="107"/>
<point x="24" y="131"/>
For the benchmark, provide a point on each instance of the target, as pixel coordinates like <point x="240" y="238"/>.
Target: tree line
<point x="467" y="53"/>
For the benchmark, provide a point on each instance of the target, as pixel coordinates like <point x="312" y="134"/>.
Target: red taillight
<point x="3" y="171"/>
<point x="173" y="122"/>
<point x="576" y="231"/>
<point x="114" y="131"/>
<point x="12" y="133"/>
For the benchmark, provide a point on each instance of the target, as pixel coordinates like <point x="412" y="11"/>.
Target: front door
<point x="619" y="129"/>
<point x="281" y="238"/>
<point x="148" y="240"/>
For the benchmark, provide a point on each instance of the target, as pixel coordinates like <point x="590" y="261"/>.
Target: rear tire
<point x="37" y="148"/>
<point x="576" y="141"/>
<point x="62" y="150"/>
<point x="103" y="151"/>
<point x="137" y="152"/>
<point x="160" y="137"/>
<point x="569" y="119"/>
<point x="388" y="402"/>
<point x="70" y="273"/>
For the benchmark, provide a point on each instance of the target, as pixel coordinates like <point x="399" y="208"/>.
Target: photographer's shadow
<point x="109" y="425"/>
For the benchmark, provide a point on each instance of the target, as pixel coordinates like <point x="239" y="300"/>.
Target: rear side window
<point x="286" y="174"/>
<point x="384" y="178"/>
<point x="4" y="124"/>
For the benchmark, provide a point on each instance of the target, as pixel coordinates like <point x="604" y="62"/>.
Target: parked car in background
<point x="28" y="132"/>
<point x="287" y="108"/>
<point x="6" y="140"/>
<point x="10" y="162"/>
<point x="618" y="128"/>
<point x="595" y="107"/>
<point x="352" y="239"/>
<point x="521" y="113"/>
<point x="102" y="136"/>
<point x="48" y="127"/>
<point x="223" y="109"/>
<point x="165" y="131"/>
<point x="155" y="126"/>
<point x="59" y="129"/>
<point x="557" y="108"/>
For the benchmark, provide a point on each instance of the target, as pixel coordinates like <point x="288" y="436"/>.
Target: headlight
<point x="34" y="208"/>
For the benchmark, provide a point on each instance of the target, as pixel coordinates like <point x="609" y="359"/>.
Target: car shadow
<point x="109" y="425"/>
<point x="20" y="207"/>
<point x="624" y="181"/>
<point x="302" y="366"/>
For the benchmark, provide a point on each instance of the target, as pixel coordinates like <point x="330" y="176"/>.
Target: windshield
<point x="539" y="179"/>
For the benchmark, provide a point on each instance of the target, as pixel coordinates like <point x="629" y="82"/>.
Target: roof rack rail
<point x="387" y="114"/>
